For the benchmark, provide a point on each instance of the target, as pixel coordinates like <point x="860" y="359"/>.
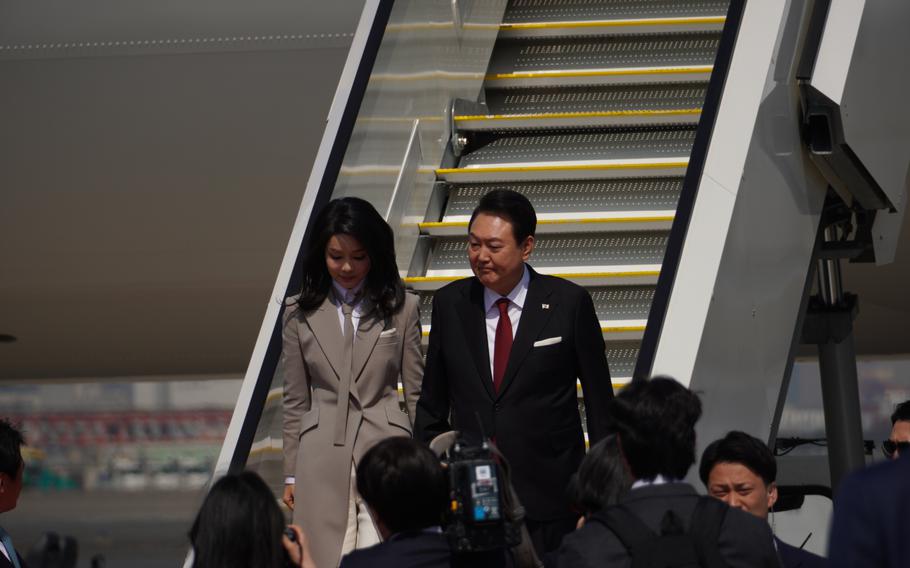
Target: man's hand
<point x="288" y="497"/>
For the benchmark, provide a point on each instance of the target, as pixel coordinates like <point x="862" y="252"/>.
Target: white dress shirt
<point x="5" y="553"/>
<point x="659" y="480"/>
<point x="347" y="296"/>
<point x="516" y="304"/>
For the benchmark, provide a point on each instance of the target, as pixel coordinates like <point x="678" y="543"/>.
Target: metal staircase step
<point x="646" y="221"/>
<point x="603" y="107"/>
<point x="621" y="358"/>
<point x="621" y="310"/>
<point x="631" y="59"/>
<point x="611" y="276"/>
<point x="619" y="26"/>
<point x="578" y="119"/>
<point x="525" y="11"/>
<point x="565" y="199"/>
<point x="572" y="207"/>
<point x="590" y="259"/>
<point x="622" y="152"/>
<point x="595" y="169"/>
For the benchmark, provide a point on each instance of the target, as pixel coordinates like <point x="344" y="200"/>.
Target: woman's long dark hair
<point x="355" y="217"/>
<point x="601" y="479"/>
<point x="239" y="525"/>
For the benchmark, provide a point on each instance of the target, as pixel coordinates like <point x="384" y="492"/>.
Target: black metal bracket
<point x="829" y="324"/>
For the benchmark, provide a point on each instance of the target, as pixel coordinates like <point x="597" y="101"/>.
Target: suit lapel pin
<point x="545" y="306"/>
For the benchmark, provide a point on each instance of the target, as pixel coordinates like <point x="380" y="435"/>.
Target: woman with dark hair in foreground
<point x="348" y="338"/>
<point x="240" y="526"/>
<point x="601" y="479"/>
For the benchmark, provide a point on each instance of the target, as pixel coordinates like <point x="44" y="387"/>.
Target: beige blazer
<point x="311" y="362"/>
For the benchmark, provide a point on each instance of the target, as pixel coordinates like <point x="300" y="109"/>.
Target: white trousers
<point x="360" y="532"/>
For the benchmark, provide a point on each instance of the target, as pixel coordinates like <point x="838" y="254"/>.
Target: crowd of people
<point x="506" y="348"/>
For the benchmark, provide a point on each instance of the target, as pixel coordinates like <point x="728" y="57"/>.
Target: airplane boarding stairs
<point x="663" y="145"/>
<point x="590" y="111"/>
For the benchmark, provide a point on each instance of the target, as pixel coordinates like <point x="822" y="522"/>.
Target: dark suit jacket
<point x="792" y="557"/>
<point x="871" y="524"/>
<point x="4" y="563"/>
<point x="417" y="550"/>
<point x="534" y="417"/>
<point x="745" y="540"/>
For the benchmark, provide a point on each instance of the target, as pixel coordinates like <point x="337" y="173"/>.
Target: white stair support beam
<point x="728" y="328"/>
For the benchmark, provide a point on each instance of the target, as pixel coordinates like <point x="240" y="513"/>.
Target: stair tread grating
<point x="524" y="11"/>
<point x="618" y="52"/>
<point x="598" y="99"/>
<point x="657" y="194"/>
<point x="572" y="250"/>
<point x="555" y="146"/>
<point x="610" y="303"/>
<point x="621" y="357"/>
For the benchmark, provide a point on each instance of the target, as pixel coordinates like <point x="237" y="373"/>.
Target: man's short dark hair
<point x="901" y="412"/>
<point x="403" y="483"/>
<point x="11" y="441"/>
<point x="512" y="206"/>
<point x="741" y="448"/>
<point x="655" y="420"/>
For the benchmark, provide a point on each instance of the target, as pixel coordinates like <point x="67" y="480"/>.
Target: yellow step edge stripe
<point x="607" y="114"/>
<point x="589" y="220"/>
<point x="622" y="328"/>
<point x="600" y="73"/>
<point x="615" y="23"/>
<point x="563" y="168"/>
<point x="608" y="329"/>
<point x="625" y="274"/>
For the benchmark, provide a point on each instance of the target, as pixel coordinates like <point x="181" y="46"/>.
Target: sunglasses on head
<point x="890" y="446"/>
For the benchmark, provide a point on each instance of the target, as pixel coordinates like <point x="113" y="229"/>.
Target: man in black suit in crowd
<point x="871" y="525"/>
<point x="405" y="489"/>
<point x="655" y="426"/>
<point x="11" y="469"/>
<point x="741" y="471"/>
<point x="515" y="376"/>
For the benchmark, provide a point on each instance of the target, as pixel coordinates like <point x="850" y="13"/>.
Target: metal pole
<point x="840" y="397"/>
<point x="837" y="366"/>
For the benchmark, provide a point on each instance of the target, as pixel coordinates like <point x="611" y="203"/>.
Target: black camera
<point x="481" y="515"/>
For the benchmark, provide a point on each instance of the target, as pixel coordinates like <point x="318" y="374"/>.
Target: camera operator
<point x="405" y="488"/>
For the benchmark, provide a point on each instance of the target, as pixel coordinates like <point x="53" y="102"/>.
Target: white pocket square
<point x="548" y="341"/>
<point x="388" y="332"/>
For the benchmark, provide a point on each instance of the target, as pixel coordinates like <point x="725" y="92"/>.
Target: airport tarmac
<point x="141" y="529"/>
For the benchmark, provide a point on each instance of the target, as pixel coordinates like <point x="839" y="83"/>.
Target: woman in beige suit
<point x="348" y="338"/>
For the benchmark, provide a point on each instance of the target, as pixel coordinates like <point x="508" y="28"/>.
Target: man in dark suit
<point x="871" y="526"/>
<point x="11" y="469"/>
<point x="405" y="489"/>
<point x="506" y="347"/>
<point x="655" y="426"/>
<point x="741" y="471"/>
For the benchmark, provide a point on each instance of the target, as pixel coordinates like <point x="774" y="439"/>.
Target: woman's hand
<point x="288" y="497"/>
<point x="299" y="549"/>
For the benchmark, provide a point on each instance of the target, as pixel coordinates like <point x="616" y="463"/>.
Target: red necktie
<point x="502" y="344"/>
